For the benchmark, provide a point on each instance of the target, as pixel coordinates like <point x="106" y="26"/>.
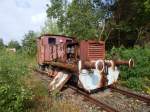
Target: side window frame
<point x="51" y="40"/>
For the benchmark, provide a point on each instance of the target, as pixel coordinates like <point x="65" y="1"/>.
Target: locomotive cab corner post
<point x="83" y="62"/>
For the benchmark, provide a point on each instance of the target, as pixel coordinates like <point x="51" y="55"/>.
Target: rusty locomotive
<point x="64" y="58"/>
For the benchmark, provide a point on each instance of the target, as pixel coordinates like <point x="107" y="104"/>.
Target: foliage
<point x="57" y="11"/>
<point x="80" y="19"/>
<point x="131" y="18"/>
<point x="14" y="44"/>
<point x="79" y="24"/>
<point x="147" y="5"/>
<point x="138" y="76"/>
<point x="135" y="83"/>
<point x="42" y="101"/>
<point x="50" y="27"/>
<point x="117" y="20"/>
<point x="29" y="43"/>
<point x="13" y="94"/>
<point x="1" y="43"/>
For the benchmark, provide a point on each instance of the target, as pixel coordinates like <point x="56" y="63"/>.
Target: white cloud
<point x="20" y="16"/>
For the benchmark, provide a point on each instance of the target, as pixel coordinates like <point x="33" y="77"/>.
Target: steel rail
<point x="93" y="100"/>
<point x="130" y="94"/>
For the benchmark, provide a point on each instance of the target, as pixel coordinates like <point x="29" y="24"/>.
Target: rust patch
<point x="92" y="50"/>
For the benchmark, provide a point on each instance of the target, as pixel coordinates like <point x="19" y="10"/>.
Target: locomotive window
<point x="68" y="41"/>
<point x="51" y="40"/>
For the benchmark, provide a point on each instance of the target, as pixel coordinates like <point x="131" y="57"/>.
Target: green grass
<point x="13" y="94"/>
<point x="21" y="90"/>
<point x="42" y="101"/>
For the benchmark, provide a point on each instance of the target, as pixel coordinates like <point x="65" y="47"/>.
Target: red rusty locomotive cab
<point x="51" y="47"/>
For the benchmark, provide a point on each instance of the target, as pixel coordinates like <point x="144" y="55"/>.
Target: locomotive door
<point x="40" y="52"/>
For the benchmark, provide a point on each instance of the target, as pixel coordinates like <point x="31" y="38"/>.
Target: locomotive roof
<point x="56" y="35"/>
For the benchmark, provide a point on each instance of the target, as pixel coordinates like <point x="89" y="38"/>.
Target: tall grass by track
<point x="13" y="93"/>
<point x="21" y="90"/>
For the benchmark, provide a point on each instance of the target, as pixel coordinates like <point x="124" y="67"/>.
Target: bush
<point x="135" y="83"/>
<point x="135" y="77"/>
<point x="13" y="93"/>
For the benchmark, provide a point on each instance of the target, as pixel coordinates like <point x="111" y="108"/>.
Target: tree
<point x="80" y="18"/>
<point x="56" y="11"/>
<point x="14" y="44"/>
<point x="29" y="43"/>
<point x="131" y="19"/>
<point x="147" y="5"/>
<point x="1" y="43"/>
<point x="124" y="21"/>
<point x="50" y="27"/>
<point x="81" y="21"/>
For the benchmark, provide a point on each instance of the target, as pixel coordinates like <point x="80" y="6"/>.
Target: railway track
<point x="93" y="100"/>
<point x="130" y="94"/>
<point x="99" y="103"/>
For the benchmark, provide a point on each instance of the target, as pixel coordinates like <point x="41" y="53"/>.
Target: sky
<point x="17" y="17"/>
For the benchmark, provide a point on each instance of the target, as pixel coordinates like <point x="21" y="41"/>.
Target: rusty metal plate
<point x="59" y="81"/>
<point x="96" y="51"/>
<point x="113" y="75"/>
<point x="92" y="50"/>
<point x="61" y="52"/>
<point x="54" y="53"/>
<point x="90" y="79"/>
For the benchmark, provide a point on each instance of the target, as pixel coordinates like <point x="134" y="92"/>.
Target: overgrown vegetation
<point x="14" y="44"/>
<point x="22" y="91"/>
<point x="13" y="94"/>
<point x="137" y="78"/>
<point x="29" y="44"/>
<point x="42" y="101"/>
